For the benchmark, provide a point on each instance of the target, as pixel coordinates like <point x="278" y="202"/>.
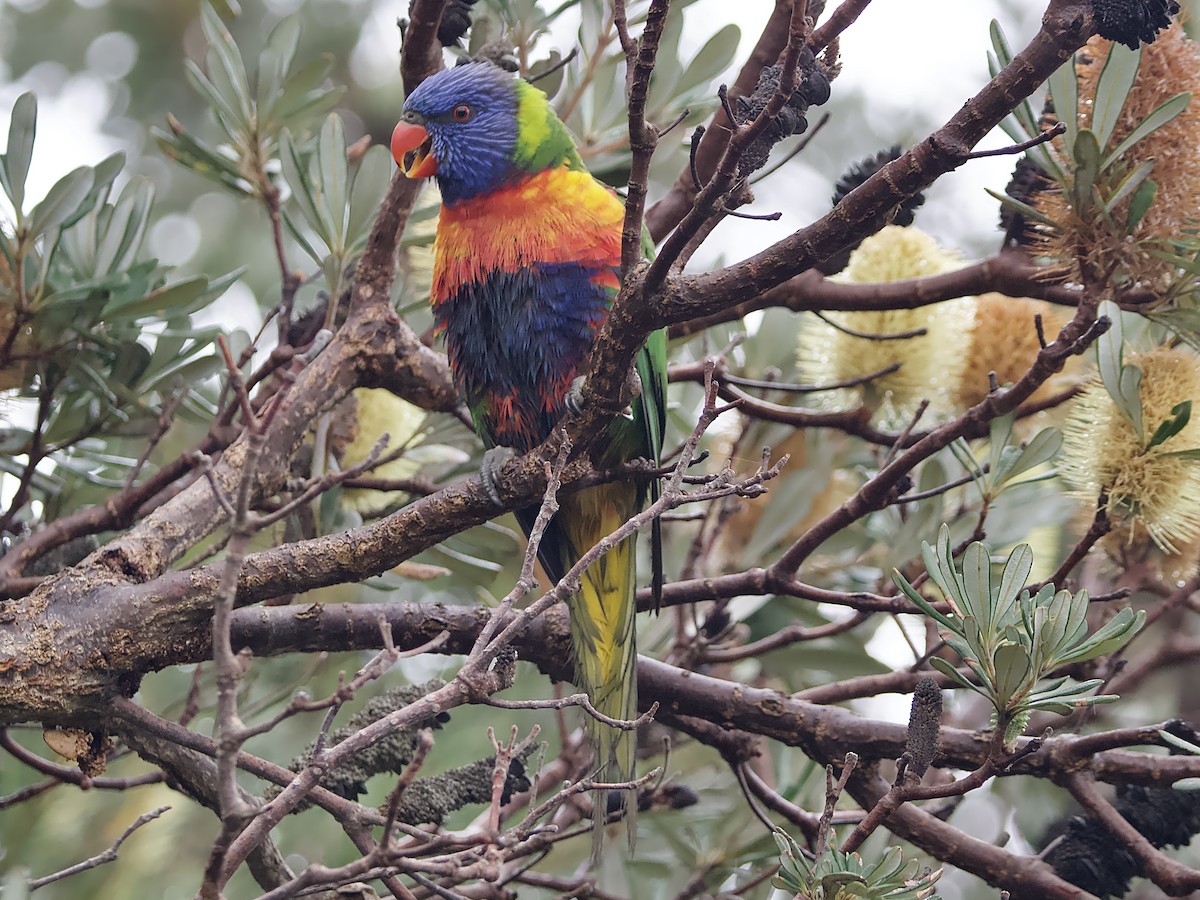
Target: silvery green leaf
<point x="1064" y="690"/>
<point x="299" y="89"/>
<point x="228" y="62"/>
<point x="1077" y="626"/>
<point x="547" y="74"/>
<point x="170" y="298"/>
<point x="946" y="558"/>
<point x="1064" y="93"/>
<point x="1113" y="635"/>
<point x="369" y="184"/>
<point x="333" y="267"/>
<point x="933" y="566"/>
<point x="334" y="173"/>
<point x="961" y="451"/>
<point x="1012" y="579"/>
<point x="270" y="76"/>
<point x="1000" y="43"/>
<point x="1041" y="448"/>
<point x="301" y="238"/>
<point x="1012" y="666"/>
<point x="1143" y="199"/>
<point x="710" y="60"/>
<point x="1066" y="707"/>
<point x="957" y="642"/>
<point x="1163" y="114"/>
<point x="1087" y="170"/>
<point x="915" y="596"/>
<point x="1181" y="413"/>
<point x="1110" y="350"/>
<point x="947" y="669"/>
<point x="122" y="235"/>
<point x="1130" y="400"/>
<point x="312" y="105"/>
<point x="1112" y="89"/>
<point x="204" y="160"/>
<point x="972" y="634"/>
<point x="225" y="110"/>
<point x="22" y="129"/>
<point x="1186" y="784"/>
<point x="1187" y="263"/>
<point x="62" y="201"/>
<point x="888" y="866"/>
<point x="977" y="582"/>
<point x="1024" y="209"/>
<point x="1179" y="743"/>
<point x="304" y="191"/>
<point x="999" y="434"/>
<point x="1129" y="184"/>
<point x="276" y="59"/>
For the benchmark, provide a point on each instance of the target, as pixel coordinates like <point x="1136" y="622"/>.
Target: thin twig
<point x="109" y="855"/>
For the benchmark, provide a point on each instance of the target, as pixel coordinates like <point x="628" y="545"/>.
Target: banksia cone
<point x="1004" y="340"/>
<point x="1148" y="493"/>
<point x="1131" y="21"/>
<point x="854" y="177"/>
<point x="1086" y="242"/>
<point x="930" y="365"/>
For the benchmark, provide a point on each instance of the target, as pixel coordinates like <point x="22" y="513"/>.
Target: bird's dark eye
<point x="462" y="113"/>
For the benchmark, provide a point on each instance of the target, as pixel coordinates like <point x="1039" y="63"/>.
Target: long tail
<point x="602" y="632"/>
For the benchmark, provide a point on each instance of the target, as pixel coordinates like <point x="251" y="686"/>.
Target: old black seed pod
<point x="1129" y="22"/>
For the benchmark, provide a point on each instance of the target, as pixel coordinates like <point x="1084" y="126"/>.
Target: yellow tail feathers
<point x="602" y="632"/>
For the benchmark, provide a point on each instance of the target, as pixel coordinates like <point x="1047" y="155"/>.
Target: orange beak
<point x="412" y="149"/>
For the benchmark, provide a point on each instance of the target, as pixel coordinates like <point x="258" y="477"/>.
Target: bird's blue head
<point x="478" y="129"/>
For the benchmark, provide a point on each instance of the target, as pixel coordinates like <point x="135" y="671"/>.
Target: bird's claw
<point x="573" y="401"/>
<point x="489" y="471"/>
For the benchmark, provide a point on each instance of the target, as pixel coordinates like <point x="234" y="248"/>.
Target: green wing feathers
<point x="604" y="609"/>
<point x="650" y="410"/>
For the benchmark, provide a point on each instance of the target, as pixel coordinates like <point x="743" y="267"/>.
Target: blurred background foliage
<point x="118" y="66"/>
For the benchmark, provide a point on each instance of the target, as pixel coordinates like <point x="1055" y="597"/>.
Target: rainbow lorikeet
<point x="526" y="266"/>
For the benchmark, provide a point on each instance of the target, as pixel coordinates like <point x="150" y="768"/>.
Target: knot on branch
<point x="1129" y="22"/>
<point x="812" y="89"/>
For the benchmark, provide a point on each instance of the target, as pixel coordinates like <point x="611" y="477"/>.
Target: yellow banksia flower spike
<point x="377" y="412"/>
<point x="930" y="365"/>
<point x="1149" y="493"/>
